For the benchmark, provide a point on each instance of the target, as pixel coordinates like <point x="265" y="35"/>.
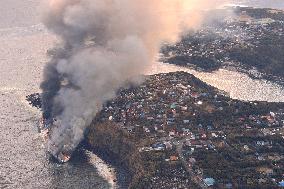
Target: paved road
<point x="193" y="177"/>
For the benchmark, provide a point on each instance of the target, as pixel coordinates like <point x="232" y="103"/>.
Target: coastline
<point x="109" y="166"/>
<point x="109" y="141"/>
<point x="115" y="152"/>
<point x="105" y="167"/>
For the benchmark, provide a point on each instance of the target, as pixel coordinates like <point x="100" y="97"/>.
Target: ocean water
<point x="238" y="85"/>
<point x="277" y="4"/>
<point x="24" y="163"/>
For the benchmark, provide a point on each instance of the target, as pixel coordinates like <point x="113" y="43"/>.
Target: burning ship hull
<point x="58" y="152"/>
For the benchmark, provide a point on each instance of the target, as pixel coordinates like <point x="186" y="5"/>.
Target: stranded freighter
<point x="54" y="150"/>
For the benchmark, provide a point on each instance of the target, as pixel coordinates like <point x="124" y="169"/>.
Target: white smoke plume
<point x="104" y="44"/>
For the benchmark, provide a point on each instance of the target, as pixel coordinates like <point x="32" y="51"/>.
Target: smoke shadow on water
<point x="79" y="172"/>
<point x="122" y="174"/>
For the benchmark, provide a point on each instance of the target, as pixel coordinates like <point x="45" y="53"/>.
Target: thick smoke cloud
<point x="105" y="43"/>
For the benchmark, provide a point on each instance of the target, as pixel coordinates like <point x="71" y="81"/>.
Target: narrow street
<point x="194" y="178"/>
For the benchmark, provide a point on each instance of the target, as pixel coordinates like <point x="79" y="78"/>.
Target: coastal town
<point x="212" y="139"/>
<point x="194" y="135"/>
<point x="245" y="40"/>
<point x="175" y="131"/>
<point x="142" y="94"/>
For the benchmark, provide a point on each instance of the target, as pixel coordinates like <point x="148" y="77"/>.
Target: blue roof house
<point x="281" y="184"/>
<point x="209" y="181"/>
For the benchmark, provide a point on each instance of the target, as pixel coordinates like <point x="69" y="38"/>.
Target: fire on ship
<point x="55" y="151"/>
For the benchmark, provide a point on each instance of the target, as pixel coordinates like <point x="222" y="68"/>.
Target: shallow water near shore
<point x="24" y="163"/>
<point x="238" y="85"/>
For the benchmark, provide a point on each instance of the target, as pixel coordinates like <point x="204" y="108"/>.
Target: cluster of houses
<point x="183" y="117"/>
<point x="175" y="111"/>
<point x="164" y="106"/>
<point x="212" y="44"/>
<point x="172" y="177"/>
<point x="261" y="140"/>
